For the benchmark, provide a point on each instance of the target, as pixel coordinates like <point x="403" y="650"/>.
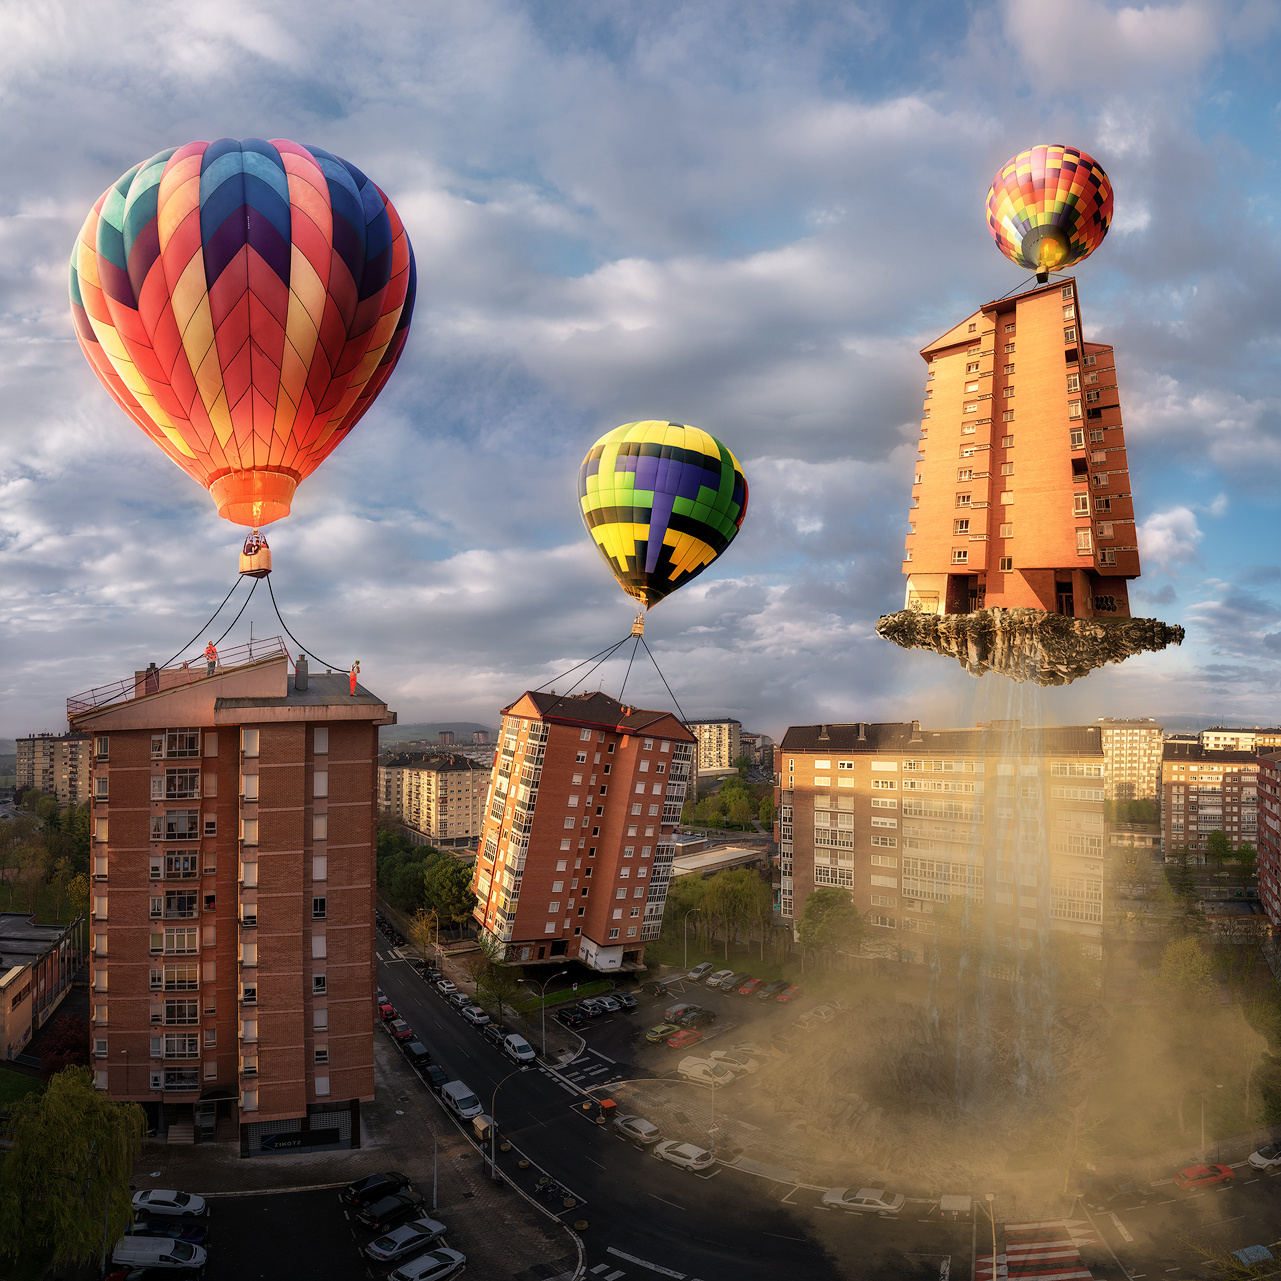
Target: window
<point x="970" y="409"/>
<point x="1083" y="544"/>
<point x="320" y="868"/>
<point x="1096" y="437"/>
<point x="1092" y="397"/>
<point x="1007" y="469"/>
<point x="1105" y="529"/>
<point x="1101" y="505"/>
<point x="1007" y="442"/>
<point x="320" y="827"/>
<point x="584" y="735"/>
<point x="972" y="368"/>
<point x="182" y="742"/>
<point x="249" y="742"/>
<point x="322" y="1086"/>
<point x="968" y="429"/>
<point x="1006" y="564"/>
<point x="1007" y="497"/>
<point x="249" y="831"/>
<point x="1074" y="411"/>
<point x="962" y="500"/>
<point x="965" y="473"/>
<point x="1074" y="382"/>
<point x="1107" y="556"/>
<point x="317" y="909"/>
<point x="973" y="327"/>
<point x="960" y="556"/>
<point x="320" y="783"/>
<point x="157" y="746"/>
<point x="1069" y="313"/>
<point x="1081" y="504"/>
<point x="100" y="788"/>
<point x="100" y="746"/>
<point x="100" y="829"/>
<point x="322" y="742"/>
<point x="1069" y="335"/>
<point x="1100" y="480"/>
<point x="960" y="527"/>
<point x="1076" y="436"/>
<point x="318" y="985"/>
<point x="182" y="825"/>
<point x="1007" y="530"/>
<point x="1067" y="291"/>
<point x="1009" y="369"/>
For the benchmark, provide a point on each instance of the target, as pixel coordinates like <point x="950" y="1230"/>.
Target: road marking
<point x="644" y="1263"/>
<point x="1214" y="1222"/>
<point x="1171" y="1201"/>
<point x="613" y="1276"/>
<point x="1120" y="1227"/>
<point x="1252" y="1180"/>
<point x="606" y="1057"/>
<point x="778" y="1237"/>
<point x="597" y="1164"/>
<point x="600" y="1267"/>
<point x="665" y="1202"/>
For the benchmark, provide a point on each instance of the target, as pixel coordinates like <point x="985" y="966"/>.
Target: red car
<point x="387" y="1011"/>
<point x="1202" y="1176"/>
<point x="682" y="1039"/>
<point x="401" y="1030"/>
<point x="789" y="994"/>
<point x="751" y="987"/>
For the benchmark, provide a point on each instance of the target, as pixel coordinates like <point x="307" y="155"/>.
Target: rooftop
<point x="1193" y="751"/>
<point x="23" y="941"/>
<point x="598" y="711"/>
<point x="323" y="690"/>
<point x="909" y="739"/>
<point x="718" y="859"/>
<point x="438" y="764"/>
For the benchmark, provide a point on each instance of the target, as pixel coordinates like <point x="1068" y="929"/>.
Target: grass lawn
<point x="562" y="996"/>
<point x="16" y="1085"/>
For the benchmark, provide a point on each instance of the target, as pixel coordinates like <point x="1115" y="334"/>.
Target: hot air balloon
<point x="243" y="303"/>
<point x="1049" y="207"/>
<point x="662" y="501"/>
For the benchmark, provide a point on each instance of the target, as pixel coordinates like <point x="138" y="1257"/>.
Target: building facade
<point x="909" y="820"/>
<point x="56" y="764"/>
<point x="1204" y="791"/>
<point x="1222" y="738"/>
<point x="233" y="847"/>
<point x="1021" y="499"/>
<point x="719" y="745"/>
<point x="38" y="964"/>
<point x="442" y="797"/>
<point x="577" y="849"/>
<point x="1131" y="759"/>
<point x="1269" y="835"/>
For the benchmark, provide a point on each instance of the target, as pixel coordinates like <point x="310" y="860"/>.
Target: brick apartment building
<point x="232" y="894"/>
<point x="908" y="819"/>
<point x="1021" y="499"/>
<point x="718" y="742"/>
<point x="1269" y="835"/>
<point x="578" y="842"/>
<point x="56" y="764"/>
<point x="1205" y="790"/>
<point x="1131" y="758"/>
<point x="442" y="797"/>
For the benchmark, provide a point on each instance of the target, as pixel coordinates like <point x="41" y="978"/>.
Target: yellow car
<point x="660" y="1033"/>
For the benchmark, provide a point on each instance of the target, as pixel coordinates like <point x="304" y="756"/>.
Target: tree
<point x="730" y="901"/>
<point x="742" y="764"/>
<point x="830" y="922"/>
<point x="1247" y="865"/>
<point x="684" y="894"/>
<point x="424" y="929"/>
<point x="766" y="811"/>
<point x="497" y="984"/>
<point x="1186" y="970"/>
<point x="15" y="838"/>
<point x="1218" y="849"/>
<point x="78" y="896"/>
<point x="65" y="1182"/>
<point x="448" y="888"/>
<point x="741" y="811"/>
<point x="66" y="1044"/>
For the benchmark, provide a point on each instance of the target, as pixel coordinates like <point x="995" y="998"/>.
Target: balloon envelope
<point x="243" y="302"/>
<point x="662" y="501"/>
<point x="1049" y="207"/>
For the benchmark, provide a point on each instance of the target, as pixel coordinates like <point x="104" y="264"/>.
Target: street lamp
<point x="126" y="1054"/>
<point x="687" y="916"/>
<point x="991" y="1214"/>
<point x="493" y="1126"/>
<point x="542" y="989"/>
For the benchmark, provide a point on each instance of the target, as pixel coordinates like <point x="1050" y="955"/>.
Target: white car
<point x="864" y="1201"/>
<point x="715" y="980"/>
<point x="475" y="1015"/>
<point x="432" y="1266"/>
<point x="409" y="1238"/>
<point x="686" y="1155"/>
<point x="518" y="1049"/>
<point x="735" y="1060"/>
<point x="167" y="1201"/>
<point x="705" y="1072"/>
<point x="460" y="1100"/>
<point x="699" y="972"/>
<point x="637" y="1131"/>
<point x="446" y="986"/>
<point x="1266" y="1157"/>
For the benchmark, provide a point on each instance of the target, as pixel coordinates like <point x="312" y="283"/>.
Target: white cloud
<point x="1169" y="538"/>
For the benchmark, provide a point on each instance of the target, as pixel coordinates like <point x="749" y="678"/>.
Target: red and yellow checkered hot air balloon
<point x="1049" y="207"/>
<point x="243" y="303"/>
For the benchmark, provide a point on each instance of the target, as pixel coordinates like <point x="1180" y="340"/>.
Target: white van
<point x="157" y="1252"/>
<point x="460" y="1100"/>
<point x="518" y="1049"/>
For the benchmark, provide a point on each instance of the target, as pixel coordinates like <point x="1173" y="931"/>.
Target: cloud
<point x="1169" y="538"/>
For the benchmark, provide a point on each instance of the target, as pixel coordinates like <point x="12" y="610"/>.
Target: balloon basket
<point x="257" y="565"/>
<point x="638" y="623"/>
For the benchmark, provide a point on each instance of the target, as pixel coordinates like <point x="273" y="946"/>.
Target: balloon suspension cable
<point x="201" y="632"/>
<point x="663" y="678"/>
<point x="609" y="649"/>
<point x="235" y="620"/>
<point x="630" y="661"/>
<point x="586" y="675"/>
<point x="335" y="667"/>
<point x="1036" y="275"/>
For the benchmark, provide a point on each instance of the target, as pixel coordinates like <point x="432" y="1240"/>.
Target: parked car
<point x="417" y="1053"/>
<point x="735" y="981"/>
<point x="687" y="1036"/>
<point x="474" y="1015"/>
<point x="373" y="1187"/>
<point x="458" y="999"/>
<point x="719" y="977"/>
<point x="175" y="1230"/>
<point x="735" y="1060"/>
<point x="751" y="987"/>
<point x="1104" y="1196"/>
<point x="384" y="1215"/>
<point x="1266" y="1157"/>
<point x="789" y="994"/>
<point x="686" y="1156"/>
<point x="673" y="1012"/>
<point x="386" y="1011"/>
<point x="398" y="939"/>
<point x="167" y="1201"/>
<point x="864" y="1201"/>
<point x="570" y="1018"/>
<point x="590" y="1008"/>
<point x="495" y="1032"/>
<point x="434" y="1076"/>
<point x="610" y="1004"/>
<point x="1203" y="1176"/>
<point x="637" y="1131"/>
<point x="382" y="997"/>
<point x="460" y="1100"/>
<point x="786" y="1042"/>
<point x="446" y="986"/>
<point x="518" y="1049"/>
<point x="626" y="1000"/>
<point x="158" y="1252"/>
<point x="705" y="1072"/>
<point x="405" y="1240"/>
<point x="700" y="972"/>
<point x="772" y="989"/>
<point x="697" y="1018"/>
<point x="660" y="1033"/>
<point x="435" y="1265"/>
<point x="400" y="1030"/>
<point x="754" y="1049"/>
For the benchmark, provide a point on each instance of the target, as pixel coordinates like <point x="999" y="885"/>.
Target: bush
<point x="66" y="1044"/>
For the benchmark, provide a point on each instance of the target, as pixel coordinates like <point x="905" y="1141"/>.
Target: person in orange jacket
<point x="355" y="671"/>
<point x="211" y="658"/>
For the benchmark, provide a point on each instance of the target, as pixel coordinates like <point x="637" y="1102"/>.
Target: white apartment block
<point x="1131" y="758"/>
<point x="718" y="742"/>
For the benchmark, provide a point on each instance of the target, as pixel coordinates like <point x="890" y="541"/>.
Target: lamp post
<point x="991" y="1214"/>
<point x="688" y="914"/>
<point x="493" y="1126"/>
<point x="542" y="991"/>
<point x="126" y="1054"/>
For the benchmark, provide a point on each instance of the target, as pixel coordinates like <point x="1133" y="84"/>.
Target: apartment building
<point x="758" y="748"/>
<point x="1269" y="835"/>
<point x="56" y="764"/>
<point x="443" y="797"/>
<point x="1131" y="758"/>
<point x="908" y="819"/>
<point x="1022" y="489"/>
<point x="1207" y="790"/>
<point x="577" y="849"/>
<point x="1221" y="738"/>
<point x="719" y="744"/>
<point x="233" y="846"/>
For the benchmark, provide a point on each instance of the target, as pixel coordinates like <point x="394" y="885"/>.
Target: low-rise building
<point x="1223" y="738"/>
<point x="37" y="966"/>
<point x="441" y="797"/>
<point x="1205" y="791"/>
<point x="55" y="764"/>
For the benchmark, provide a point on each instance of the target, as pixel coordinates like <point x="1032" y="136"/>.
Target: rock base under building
<point x="1028" y="644"/>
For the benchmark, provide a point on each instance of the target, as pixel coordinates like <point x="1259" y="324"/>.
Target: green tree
<point x="66" y="1179"/>
<point x="1247" y="866"/>
<point x="729" y="901"/>
<point x="684" y="894"/>
<point x="741" y="811"/>
<point x="497" y="984"/>
<point x="1218" y="849"/>
<point x="1179" y="873"/>
<point x="830" y="922"/>
<point x="78" y="896"/>
<point x="448" y="888"/>
<point x="766" y="812"/>
<point x="1186" y="970"/>
<point x="742" y="764"/>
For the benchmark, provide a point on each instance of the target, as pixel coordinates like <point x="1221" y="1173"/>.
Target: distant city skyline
<point x="622" y="212"/>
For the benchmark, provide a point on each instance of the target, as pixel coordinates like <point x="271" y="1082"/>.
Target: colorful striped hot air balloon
<point x="243" y="302"/>
<point x="662" y="501"/>
<point x="1049" y="207"/>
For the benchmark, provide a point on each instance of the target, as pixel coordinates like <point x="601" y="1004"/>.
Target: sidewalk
<point x="499" y="1232"/>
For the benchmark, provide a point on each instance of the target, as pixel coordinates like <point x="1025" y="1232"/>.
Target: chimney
<point x="300" y="673"/>
<point x="862" y="731"/>
<point x="916" y="732"/>
<point x="822" y="733"/>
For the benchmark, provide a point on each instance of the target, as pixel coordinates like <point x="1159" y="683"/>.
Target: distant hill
<point x="462" y="730"/>
<point x="8" y="747"/>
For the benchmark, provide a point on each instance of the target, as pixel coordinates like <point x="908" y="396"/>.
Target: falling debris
<point x="1028" y="644"/>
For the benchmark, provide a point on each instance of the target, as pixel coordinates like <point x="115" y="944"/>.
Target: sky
<point x="745" y="216"/>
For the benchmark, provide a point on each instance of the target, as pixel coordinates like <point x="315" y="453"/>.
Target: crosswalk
<point x="1048" y="1250"/>
<point x="611" y="1271"/>
<point x="590" y="1068"/>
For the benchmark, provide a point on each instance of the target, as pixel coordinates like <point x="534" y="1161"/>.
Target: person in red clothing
<point x="355" y="671"/>
<point x="211" y="658"/>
